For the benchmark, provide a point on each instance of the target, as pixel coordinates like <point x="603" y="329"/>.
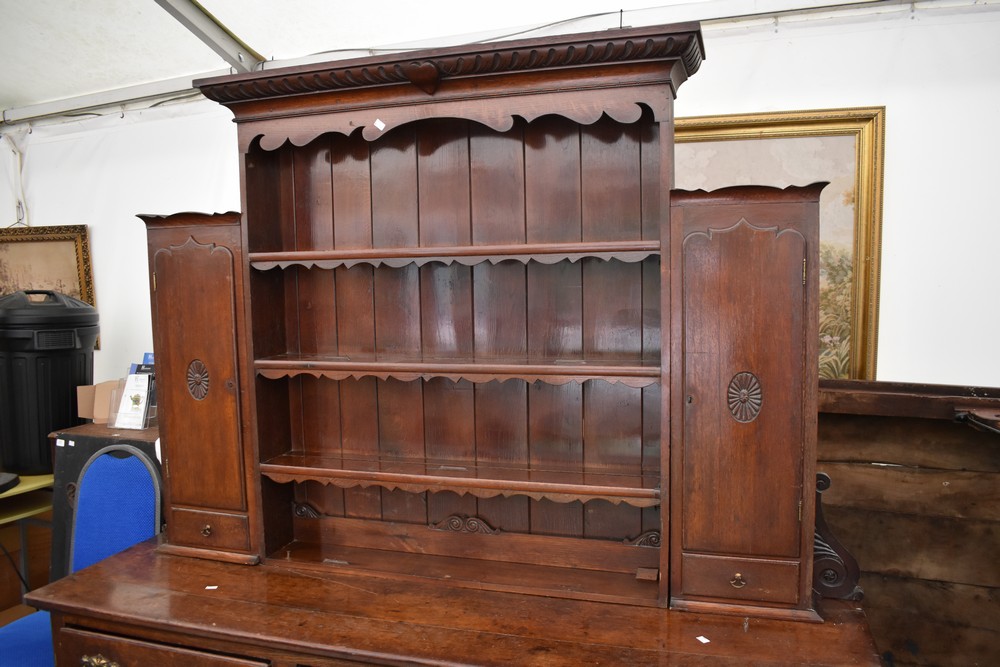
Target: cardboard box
<point x="93" y="401"/>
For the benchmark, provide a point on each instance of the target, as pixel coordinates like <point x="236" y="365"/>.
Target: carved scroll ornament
<point x="458" y="523"/>
<point x="835" y="571"/>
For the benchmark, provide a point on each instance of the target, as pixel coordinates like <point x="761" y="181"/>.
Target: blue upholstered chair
<point x="117" y="505"/>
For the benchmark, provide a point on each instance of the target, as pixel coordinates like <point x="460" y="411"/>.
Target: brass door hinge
<point x="800" y="511"/>
<point x="803" y="270"/>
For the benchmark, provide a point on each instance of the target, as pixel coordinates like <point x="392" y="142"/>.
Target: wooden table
<point x="146" y="607"/>
<point x="32" y="496"/>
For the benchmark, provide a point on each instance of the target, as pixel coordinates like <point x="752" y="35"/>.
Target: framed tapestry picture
<point x="47" y="258"/>
<point x="842" y="146"/>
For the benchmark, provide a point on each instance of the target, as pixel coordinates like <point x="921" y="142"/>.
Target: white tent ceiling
<point x="60" y="56"/>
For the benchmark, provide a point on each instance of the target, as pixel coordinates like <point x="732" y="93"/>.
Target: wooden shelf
<point x="544" y="580"/>
<point x="25" y="505"/>
<point x="633" y="372"/>
<point x="546" y="253"/>
<point x="483" y="480"/>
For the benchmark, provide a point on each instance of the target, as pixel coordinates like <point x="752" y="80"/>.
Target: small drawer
<point x="736" y="578"/>
<point x="92" y="649"/>
<point x="208" y="530"/>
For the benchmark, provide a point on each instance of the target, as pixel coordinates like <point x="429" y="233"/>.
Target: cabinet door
<point x="747" y="386"/>
<point x="743" y="354"/>
<point x="195" y="262"/>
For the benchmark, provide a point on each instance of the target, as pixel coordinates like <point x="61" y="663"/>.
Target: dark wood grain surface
<point x="267" y="610"/>
<point x="455" y="327"/>
<point x="915" y="497"/>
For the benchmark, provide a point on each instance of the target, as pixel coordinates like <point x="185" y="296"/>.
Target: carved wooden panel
<point x="743" y="296"/>
<point x="195" y="310"/>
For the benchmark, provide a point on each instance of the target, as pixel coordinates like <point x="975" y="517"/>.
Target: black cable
<point x="489" y="40"/>
<point x="14" y="565"/>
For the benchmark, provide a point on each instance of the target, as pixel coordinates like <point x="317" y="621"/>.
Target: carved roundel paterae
<point x="197" y="379"/>
<point x="744" y="397"/>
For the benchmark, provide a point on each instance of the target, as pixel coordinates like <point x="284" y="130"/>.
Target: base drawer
<point x="92" y="649"/>
<point x="208" y="530"/>
<point x="735" y="578"/>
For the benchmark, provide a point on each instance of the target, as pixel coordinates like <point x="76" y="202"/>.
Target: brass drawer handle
<point x="206" y="531"/>
<point x="97" y="661"/>
<point x="738" y="581"/>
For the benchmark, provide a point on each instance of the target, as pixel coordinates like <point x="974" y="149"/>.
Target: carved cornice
<point x="426" y="69"/>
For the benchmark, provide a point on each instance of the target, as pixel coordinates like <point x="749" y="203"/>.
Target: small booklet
<point x="134" y="402"/>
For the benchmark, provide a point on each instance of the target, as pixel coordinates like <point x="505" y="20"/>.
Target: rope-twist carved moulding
<point x="745" y="397"/>
<point x="197" y="379"/>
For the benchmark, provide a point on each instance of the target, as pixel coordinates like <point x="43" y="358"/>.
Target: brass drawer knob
<point x="738" y="581"/>
<point x="97" y="661"/>
<point x="206" y="531"/>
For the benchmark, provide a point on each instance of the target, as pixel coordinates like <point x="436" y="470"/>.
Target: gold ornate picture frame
<point x="47" y="258"/>
<point x="842" y="146"/>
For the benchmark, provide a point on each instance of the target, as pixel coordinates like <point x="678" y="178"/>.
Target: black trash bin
<point x="46" y="350"/>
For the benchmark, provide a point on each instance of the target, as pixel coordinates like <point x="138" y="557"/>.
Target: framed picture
<point x="47" y="258"/>
<point x="842" y="146"/>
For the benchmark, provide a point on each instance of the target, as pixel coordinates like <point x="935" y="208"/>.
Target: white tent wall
<point x="10" y="184"/>
<point x="101" y="172"/>
<point x="935" y="71"/>
<point x="932" y="65"/>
